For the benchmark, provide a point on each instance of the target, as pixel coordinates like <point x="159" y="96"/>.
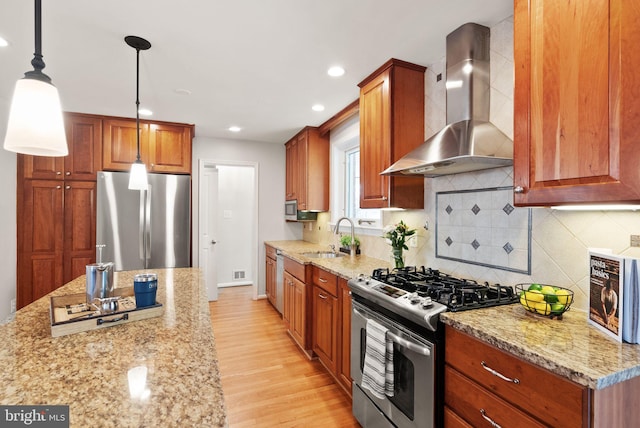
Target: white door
<point x="208" y="212"/>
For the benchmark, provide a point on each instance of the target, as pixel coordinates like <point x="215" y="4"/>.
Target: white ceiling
<point x="257" y="64"/>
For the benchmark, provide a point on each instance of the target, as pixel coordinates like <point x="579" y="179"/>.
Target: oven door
<point x="412" y="404"/>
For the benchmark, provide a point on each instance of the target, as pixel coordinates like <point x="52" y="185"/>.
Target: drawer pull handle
<point x="500" y="375"/>
<point x="322" y="280"/>
<point x="488" y="419"/>
<point x="322" y="296"/>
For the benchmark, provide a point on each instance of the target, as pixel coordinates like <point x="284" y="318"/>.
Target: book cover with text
<point x="606" y="287"/>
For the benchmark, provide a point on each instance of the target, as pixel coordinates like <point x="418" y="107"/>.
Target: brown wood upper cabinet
<point x="391" y="125"/>
<point x="576" y="102"/>
<point x="164" y="147"/>
<point x="307" y="175"/>
<point x="84" y="138"/>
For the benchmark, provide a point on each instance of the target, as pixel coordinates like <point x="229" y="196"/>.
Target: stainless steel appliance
<point x="407" y="303"/>
<point x="144" y="229"/>
<point x="469" y="142"/>
<point x="292" y="213"/>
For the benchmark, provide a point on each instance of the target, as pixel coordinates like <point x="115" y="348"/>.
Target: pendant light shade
<point x="138" y="175"/>
<point x="36" y="126"/>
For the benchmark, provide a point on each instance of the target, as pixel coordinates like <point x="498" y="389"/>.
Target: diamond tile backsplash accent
<point x="482" y="227"/>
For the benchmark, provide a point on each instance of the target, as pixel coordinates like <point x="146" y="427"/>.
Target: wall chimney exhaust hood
<point x="469" y="142"/>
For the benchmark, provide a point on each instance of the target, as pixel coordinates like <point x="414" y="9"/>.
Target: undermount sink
<point x="323" y="254"/>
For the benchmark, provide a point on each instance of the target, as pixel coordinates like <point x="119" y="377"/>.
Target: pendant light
<point x="138" y="175"/>
<point x="36" y="126"/>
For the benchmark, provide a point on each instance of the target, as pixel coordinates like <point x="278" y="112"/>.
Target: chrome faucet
<point x="352" y="247"/>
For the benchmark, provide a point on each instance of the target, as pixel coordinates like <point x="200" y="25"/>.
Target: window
<point x="345" y="180"/>
<point x="369" y="217"/>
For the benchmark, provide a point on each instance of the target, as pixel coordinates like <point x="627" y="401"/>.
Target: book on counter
<point x="614" y="295"/>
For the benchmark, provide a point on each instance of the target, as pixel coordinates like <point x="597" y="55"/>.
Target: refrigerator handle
<point x="141" y="228"/>
<point x="148" y="226"/>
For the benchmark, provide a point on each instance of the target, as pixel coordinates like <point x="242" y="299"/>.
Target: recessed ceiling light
<point x="181" y="91"/>
<point x="235" y="129"/>
<point x="145" y="112"/>
<point x="335" y="71"/>
<point x="3" y="42"/>
<point x="317" y="107"/>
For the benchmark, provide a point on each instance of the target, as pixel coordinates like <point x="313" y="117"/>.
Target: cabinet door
<point x="375" y="141"/>
<point x="79" y="227"/>
<point x="119" y="148"/>
<point x="325" y="321"/>
<point x="40" y="240"/>
<point x="169" y="148"/>
<point x="301" y="171"/>
<point x="287" y="299"/>
<point x="40" y="167"/>
<point x="299" y="316"/>
<point x="84" y="137"/>
<point x="271" y="280"/>
<point x="291" y="149"/>
<point x="344" y="354"/>
<point x="576" y="104"/>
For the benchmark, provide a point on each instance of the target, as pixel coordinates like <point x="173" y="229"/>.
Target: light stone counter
<point x="345" y="267"/>
<point x="89" y="371"/>
<point x="569" y="347"/>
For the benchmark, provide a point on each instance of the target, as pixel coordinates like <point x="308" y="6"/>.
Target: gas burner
<point x="456" y="293"/>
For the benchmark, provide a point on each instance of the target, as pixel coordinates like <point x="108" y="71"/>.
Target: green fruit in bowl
<point x="557" y="308"/>
<point x="533" y="287"/>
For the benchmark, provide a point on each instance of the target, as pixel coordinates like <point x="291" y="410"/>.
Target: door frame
<point x="202" y="164"/>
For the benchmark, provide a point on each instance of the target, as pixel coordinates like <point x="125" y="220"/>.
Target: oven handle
<point x="423" y="350"/>
<point x="409" y="345"/>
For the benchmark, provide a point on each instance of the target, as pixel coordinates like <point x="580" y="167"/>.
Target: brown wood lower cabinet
<point x="270" y="274"/>
<point x="325" y="318"/>
<point x="56" y="235"/>
<point x="344" y="336"/>
<point x="297" y="303"/>
<point x="480" y="385"/>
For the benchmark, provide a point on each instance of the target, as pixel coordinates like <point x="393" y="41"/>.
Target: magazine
<point x="606" y="276"/>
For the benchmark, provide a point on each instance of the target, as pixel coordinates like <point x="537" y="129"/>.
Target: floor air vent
<point x="238" y="275"/>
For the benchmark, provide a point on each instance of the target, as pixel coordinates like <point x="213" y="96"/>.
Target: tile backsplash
<point x="483" y="227"/>
<point x="560" y="240"/>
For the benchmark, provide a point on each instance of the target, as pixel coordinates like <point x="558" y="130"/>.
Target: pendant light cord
<point x="138" y="160"/>
<point x="37" y="62"/>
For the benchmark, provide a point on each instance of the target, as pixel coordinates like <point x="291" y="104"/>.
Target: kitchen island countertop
<point x="569" y="347"/>
<point x="92" y="371"/>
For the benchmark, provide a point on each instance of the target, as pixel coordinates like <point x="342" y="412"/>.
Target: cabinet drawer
<point x="270" y="251"/>
<point x="553" y="399"/>
<point x="452" y="420"/>
<point x="325" y="280"/>
<point x="479" y="407"/>
<point x="294" y="268"/>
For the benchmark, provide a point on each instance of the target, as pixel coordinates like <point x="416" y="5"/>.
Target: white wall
<point x="7" y="222"/>
<point x="234" y="233"/>
<point x="271" y="190"/>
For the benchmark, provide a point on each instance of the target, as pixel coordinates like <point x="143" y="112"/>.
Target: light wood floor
<point x="266" y="379"/>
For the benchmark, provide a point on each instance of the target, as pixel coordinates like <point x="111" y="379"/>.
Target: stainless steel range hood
<point x="469" y="142"/>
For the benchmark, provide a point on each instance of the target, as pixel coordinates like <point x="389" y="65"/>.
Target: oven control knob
<point x="427" y="302"/>
<point x="414" y="299"/>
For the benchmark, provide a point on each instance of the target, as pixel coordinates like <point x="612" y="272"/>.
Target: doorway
<point x="228" y="223"/>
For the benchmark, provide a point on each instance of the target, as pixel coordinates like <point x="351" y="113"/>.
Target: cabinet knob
<point x="518" y="189"/>
<point x="384" y="198"/>
<point x="67" y="173"/>
<point x="67" y="187"/>
<point x="58" y="173"/>
<point x="58" y="187"/>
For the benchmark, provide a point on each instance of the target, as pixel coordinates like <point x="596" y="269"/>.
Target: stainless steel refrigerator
<point x="144" y="229"/>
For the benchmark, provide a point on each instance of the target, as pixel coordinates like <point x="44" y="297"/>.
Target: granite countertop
<point x="89" y="371"/>
<point x="345" y="267"/>
<point x="569" y="347"/>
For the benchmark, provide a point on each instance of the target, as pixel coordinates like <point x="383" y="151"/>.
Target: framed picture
<point x="606" y="276"/>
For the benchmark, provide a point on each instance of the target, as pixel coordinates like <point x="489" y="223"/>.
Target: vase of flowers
<point x="397" y="236"/>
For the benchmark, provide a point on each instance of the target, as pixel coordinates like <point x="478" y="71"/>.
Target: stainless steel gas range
<point x="401" y="384"/>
